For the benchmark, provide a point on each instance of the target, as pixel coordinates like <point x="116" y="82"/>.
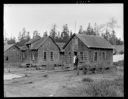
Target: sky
<point x="41" y="17"/>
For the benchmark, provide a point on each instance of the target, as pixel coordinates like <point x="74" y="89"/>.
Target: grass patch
<point x="103" y="88"/>
<point x="77" y="91"/>
<point x="119" y="63"/>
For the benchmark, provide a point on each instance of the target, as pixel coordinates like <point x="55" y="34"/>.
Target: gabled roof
<point x="33" y="40"/>
<point x="7" y="46"/>
<point x="40" y="42"/>
<point x="92" y="41"/>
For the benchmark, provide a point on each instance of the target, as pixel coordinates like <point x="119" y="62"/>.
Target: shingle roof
<point x="38" y="43"/>
<point x="93" y="41"/>
<point x="34" y="40"/>
<point x="7" y="46"/>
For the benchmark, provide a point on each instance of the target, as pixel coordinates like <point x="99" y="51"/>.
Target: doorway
<point x="75" y="53"/>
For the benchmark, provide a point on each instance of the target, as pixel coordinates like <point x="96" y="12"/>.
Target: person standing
<point x="76" y="60"/>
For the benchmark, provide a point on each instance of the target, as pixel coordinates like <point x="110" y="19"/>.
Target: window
<point x="45" y="56"/>
<point x="70" y="57"/>
<point x="85" y="56"/>
<point x="7" y="58"/>
<point x="81" y="55"/>
<point x="95" y="56"/>
<point x="33" y="56"/>
<point x="103" y="55"/>
<point x="52" y="56"/>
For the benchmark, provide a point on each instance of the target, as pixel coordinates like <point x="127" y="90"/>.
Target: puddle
<point x="12" y="76"/>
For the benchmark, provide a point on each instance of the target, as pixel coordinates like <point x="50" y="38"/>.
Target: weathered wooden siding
<point x="48" y="47"/>
<point x="26" y="56"/>
<point x="84" y="50"/>
<point x="12" y="55"/>
<point x="101" y="60"/>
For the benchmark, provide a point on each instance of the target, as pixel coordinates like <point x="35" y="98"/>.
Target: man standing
<point x="75" y="60"/>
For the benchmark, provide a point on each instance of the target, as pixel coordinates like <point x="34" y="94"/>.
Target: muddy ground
<point x="41" y="83"/>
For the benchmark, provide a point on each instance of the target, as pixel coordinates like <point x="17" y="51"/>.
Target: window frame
<point x="51" y="56"/>
<point x="95" y="56"/>
<point x="104" y="55"/>
<point x="82" y="56"/>
<point x="33" y="56"/>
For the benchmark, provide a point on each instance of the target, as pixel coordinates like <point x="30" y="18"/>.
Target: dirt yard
<point x="40" y="83"/>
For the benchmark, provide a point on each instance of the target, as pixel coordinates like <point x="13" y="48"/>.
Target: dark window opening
<point x="81" y="55"/>
<point x="7" y="58"/>
<point x="44" y="55"/>
<point x="95" y="56"/>
<point x="103" y="55"/>
<point x="52" y="56"/>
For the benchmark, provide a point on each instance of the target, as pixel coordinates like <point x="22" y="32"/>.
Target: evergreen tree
<point x="81" y="30"/>
<point x="53" y="32"/>
<point x="107" y="35"/>
<point x="11" y="41"/>
<point x="71" y="34"/>
<point x="65" y="33"/>
<point x="113" y="38"/>
<point x="19" y="37"/>
<point x="36" y="34"/>
<point x="45" y="34"/>
<point x="23" y="37"/>
<point x="96" y="29"/>
<point x="28" y="36"/>
<point x="89" y="29"/>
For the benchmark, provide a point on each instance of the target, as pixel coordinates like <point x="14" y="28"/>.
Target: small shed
<point x="92" y="50"/>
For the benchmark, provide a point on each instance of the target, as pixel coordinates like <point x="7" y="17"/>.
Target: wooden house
<point x="26" y="51"/>
<point x="92" y="50"/>
<point x="12" y="54"/>
<point x="42" y="52"/>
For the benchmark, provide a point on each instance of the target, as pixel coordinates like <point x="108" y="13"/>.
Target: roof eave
<point x="100" y="48"/>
